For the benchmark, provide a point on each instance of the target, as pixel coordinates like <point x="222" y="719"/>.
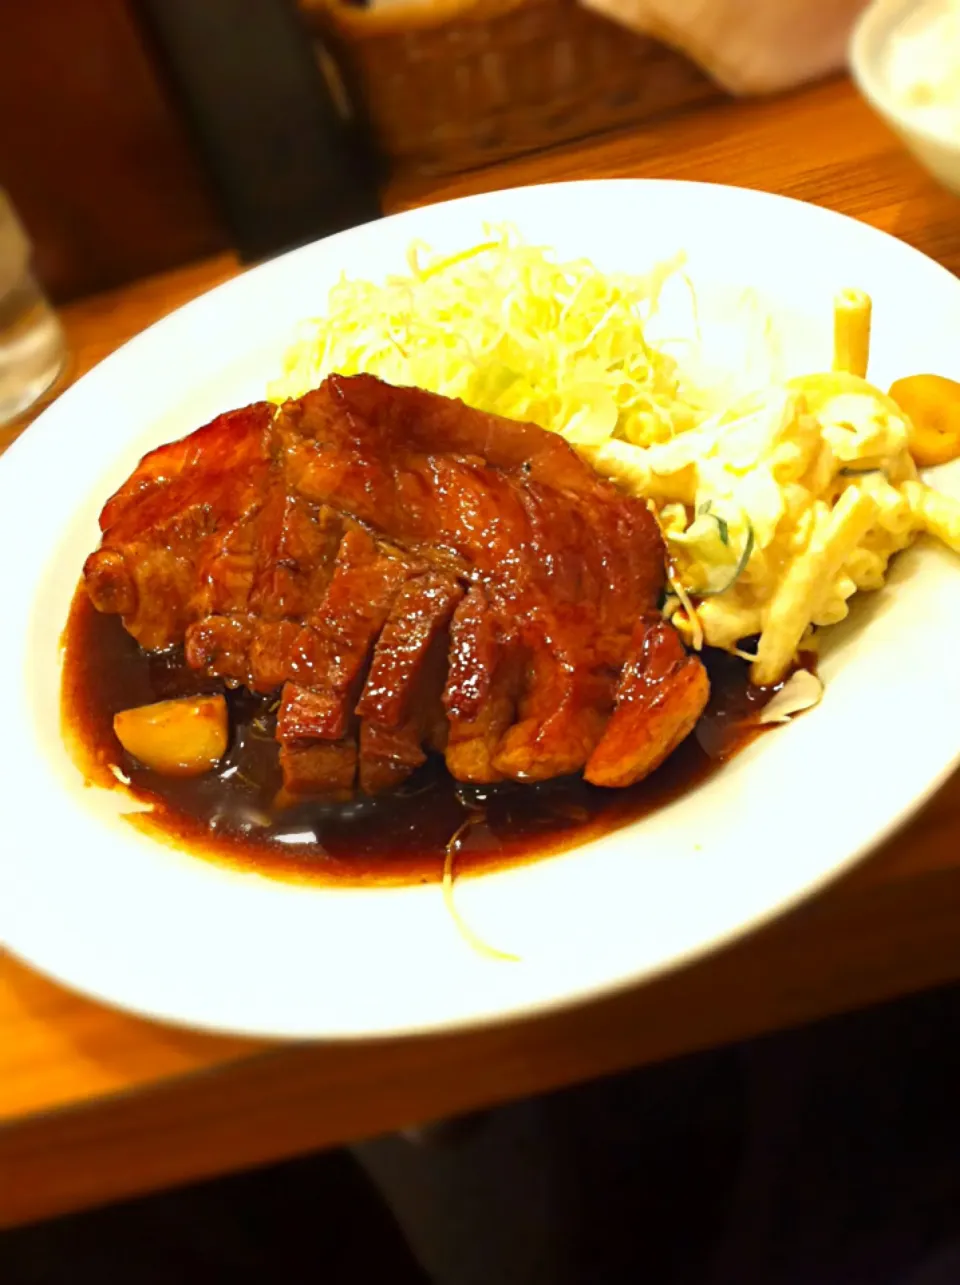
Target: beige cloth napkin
<point x="748" y="46"/>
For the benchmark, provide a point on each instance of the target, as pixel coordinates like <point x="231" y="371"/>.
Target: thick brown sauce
<point x="396" y="838"/>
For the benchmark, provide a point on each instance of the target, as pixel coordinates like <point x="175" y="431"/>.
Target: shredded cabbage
<point x="506" y="328"/>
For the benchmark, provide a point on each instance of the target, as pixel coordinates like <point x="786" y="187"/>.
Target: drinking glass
<point x="32" y="346"/>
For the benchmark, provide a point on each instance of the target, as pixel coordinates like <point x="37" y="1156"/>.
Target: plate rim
<point x="590" y="992"/>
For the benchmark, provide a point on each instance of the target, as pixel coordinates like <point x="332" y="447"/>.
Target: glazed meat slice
<point x="561" y="565"/>
<point x="480" y="697"/>
<point x="407" y="575"/>
<point x="660" y="696"/>
<point x="401" y="705"/>
<point x="248" y="639"/>
<point x="179" y="536"/>
<point x="330" y="658"/>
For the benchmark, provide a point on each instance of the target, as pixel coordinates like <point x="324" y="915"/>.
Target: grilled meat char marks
<point x="411" y="575"/>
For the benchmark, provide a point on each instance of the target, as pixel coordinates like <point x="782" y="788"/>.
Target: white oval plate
<point x="90" y="901"/>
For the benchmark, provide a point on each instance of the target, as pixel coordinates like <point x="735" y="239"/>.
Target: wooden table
<point x="95" y="1105"/>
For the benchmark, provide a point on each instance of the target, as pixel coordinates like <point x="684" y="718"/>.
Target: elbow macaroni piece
<point x="865" y="569"/>
<point x="937" y="514"/>
<point x="852" y="312"/>
<point x="808" y="582"/>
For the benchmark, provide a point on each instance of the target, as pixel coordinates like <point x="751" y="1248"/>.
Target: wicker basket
<point x="452" y="85"/>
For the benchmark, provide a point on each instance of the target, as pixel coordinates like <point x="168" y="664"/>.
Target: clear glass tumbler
<point x="32" y="347"/>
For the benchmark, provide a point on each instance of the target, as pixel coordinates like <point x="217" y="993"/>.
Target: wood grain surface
<point x="96" y="1105"/>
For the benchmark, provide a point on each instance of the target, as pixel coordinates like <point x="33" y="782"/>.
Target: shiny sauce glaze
<point x="401" y="837"/>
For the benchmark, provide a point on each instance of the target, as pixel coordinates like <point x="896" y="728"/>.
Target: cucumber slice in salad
<point x="720" y="579"/>
<point x="718" y="562"/>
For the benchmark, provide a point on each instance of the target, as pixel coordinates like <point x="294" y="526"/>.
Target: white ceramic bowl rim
<point x="872" y="30"/>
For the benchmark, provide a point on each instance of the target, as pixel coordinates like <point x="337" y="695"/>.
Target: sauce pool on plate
<point x="228" y="814"/>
